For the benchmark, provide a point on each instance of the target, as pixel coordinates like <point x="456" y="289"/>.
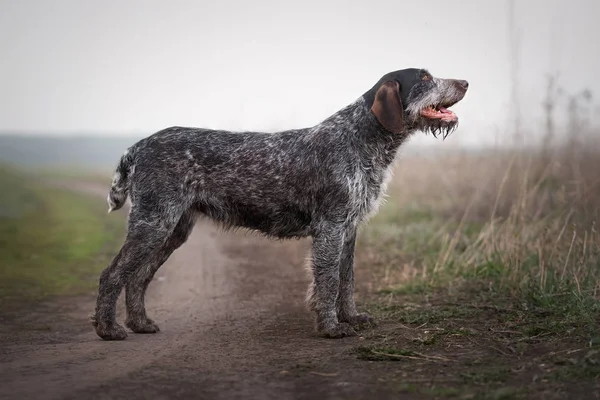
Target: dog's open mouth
<point x="439" y="112"/>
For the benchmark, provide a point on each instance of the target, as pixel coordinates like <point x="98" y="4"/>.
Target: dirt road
<point x="233" y="325"/>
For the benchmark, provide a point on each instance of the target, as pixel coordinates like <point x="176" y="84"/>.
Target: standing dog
<point x="321" y="182"/>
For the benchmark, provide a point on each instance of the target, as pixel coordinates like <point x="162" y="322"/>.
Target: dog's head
<point x="413" y="99"/>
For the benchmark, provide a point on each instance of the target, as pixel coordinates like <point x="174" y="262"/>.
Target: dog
<point x="320" y="182"/>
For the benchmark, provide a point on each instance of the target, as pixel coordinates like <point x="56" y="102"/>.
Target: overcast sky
<point x="122" y="67"/>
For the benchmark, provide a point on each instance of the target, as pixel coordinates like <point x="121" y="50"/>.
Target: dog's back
<point x="271" y="182"/>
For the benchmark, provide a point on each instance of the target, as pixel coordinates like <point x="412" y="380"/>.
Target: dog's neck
<point x="364" y="133"/>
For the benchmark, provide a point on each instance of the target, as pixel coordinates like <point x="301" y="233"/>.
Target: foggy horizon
<point x="130" y="69"/>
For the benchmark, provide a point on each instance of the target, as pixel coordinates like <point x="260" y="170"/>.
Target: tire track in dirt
<point x="233" y="325"/>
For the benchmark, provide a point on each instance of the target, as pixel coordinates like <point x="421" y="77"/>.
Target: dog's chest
<point x="367" y="188"/>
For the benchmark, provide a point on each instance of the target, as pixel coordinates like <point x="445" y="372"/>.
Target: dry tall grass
<point x="524" y="221"/>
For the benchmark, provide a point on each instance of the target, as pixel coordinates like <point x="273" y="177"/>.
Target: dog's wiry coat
<point x="320" y="182"/>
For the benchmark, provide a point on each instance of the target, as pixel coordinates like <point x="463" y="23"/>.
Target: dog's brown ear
<point x="387" y="107"/>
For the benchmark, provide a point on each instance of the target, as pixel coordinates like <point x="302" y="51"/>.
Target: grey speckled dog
<point x="321" y="182"/>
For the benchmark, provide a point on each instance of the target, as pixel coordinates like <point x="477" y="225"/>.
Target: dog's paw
<point x="145" y="325"/>
<point x="112" y="331"/>
<point x="361" y="321"/>
<point x="338" y="331"/>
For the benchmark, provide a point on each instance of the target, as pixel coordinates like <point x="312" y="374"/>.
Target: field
<point x="53" y="242"/>
<point x="483" y="270"/>
<point x="486" y="269"/>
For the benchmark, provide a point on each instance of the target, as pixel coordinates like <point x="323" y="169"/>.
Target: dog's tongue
<point x="444" y="110"/>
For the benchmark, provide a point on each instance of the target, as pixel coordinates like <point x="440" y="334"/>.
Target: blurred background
<point x="105" y="74"/>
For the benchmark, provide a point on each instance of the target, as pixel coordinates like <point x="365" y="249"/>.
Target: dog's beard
<point x="437" y="127"/>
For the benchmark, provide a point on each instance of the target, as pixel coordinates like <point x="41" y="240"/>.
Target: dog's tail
<point x="120" y="183"/>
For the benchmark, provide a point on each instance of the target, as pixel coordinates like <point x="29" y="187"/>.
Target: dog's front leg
<point x="346" y="307"/>
<point x="323" y="293"/>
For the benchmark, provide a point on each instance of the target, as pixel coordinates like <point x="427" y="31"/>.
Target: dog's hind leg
<point x="148" y="232"/>
<point x="135" y="290"/>
<point x="346" y="306"/>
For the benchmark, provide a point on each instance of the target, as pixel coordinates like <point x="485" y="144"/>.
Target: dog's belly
<point x="283" y="221"/>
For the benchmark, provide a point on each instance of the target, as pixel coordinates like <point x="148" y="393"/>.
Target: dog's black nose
<point x="463" y="84"/>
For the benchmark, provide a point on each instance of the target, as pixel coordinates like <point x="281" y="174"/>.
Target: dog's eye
<point x="426" y="77"/>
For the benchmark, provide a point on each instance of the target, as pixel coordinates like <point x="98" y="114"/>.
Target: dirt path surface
<point x="233" y="325"/>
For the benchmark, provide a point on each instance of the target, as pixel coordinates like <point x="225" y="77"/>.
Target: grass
<point x="499" y="224"/>
<point x="492" y="262"/>
<point x="52" y="242"/>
